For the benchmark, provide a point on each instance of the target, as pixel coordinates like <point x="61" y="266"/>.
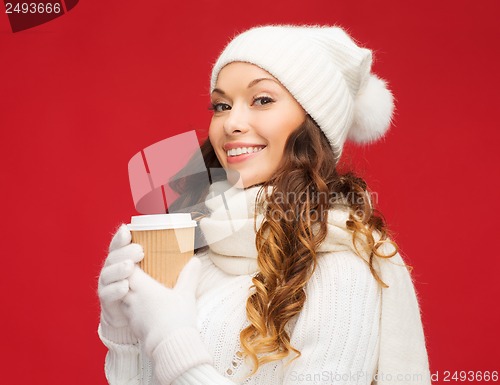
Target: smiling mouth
<point x="235" y="152"/>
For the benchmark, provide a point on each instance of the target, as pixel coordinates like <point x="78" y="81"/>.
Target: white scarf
<point x="230" y="234"/>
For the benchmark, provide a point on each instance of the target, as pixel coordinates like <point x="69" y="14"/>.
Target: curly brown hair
<point x="287" y="244"/>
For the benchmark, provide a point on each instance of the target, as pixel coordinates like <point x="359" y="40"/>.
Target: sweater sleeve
<point x="336" y="332"/>
<point x="122" y="365"/>
<point x="403" y="352"/>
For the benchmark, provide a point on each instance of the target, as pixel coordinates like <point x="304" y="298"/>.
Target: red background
<point x="80" y="95"/>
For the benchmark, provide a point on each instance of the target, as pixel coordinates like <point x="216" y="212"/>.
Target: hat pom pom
<point x="373" y="110"/>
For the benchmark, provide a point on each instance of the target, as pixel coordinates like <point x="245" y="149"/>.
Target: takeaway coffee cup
<point x="168" y="243"/>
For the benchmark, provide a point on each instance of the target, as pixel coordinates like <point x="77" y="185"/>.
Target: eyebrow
<point x="250" y="85"/>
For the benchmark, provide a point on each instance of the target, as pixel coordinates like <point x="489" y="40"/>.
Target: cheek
<point x="277" y="143"/>
<point x="215" y="141"/>
<point x="214" y="136"/>
<point x="211" y="132"/>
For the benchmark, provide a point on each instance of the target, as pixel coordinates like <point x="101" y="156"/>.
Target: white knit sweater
<point x="348" y="330"/>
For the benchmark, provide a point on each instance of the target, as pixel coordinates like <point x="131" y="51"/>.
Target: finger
<point x="140" y="279"/>
<point x="121" y="238"/>
<point x="128" y="300"/>
<point x="131" y="251"/>
<point x="126" y="307"/>
<point x="113" y="292"/>
<point x="116" y="272"/>
<point x="189" y="276"/>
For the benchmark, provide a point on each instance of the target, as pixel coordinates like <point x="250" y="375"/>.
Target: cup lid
<point x="161" y="222"/>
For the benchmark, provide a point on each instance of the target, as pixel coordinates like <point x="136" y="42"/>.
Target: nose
<point x="237" y="120"/>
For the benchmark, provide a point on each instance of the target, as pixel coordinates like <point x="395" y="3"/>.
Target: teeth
<point x="243" y="150"/>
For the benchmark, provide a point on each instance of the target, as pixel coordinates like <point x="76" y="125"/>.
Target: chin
<point x="242" y="181"/>
<point x="250" y="182"/>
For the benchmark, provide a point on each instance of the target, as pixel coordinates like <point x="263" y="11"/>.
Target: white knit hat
<point x="325" y="71"/>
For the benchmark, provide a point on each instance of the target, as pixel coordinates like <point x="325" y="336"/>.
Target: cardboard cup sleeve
<point x="166" y="251"/>
<point x="163" y="258"/>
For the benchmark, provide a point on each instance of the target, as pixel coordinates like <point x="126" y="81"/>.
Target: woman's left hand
<point x="154" y="311"/>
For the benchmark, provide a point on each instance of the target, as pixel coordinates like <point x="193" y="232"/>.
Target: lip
<point x="231" y="145"/>
<point x="242" y="158"/>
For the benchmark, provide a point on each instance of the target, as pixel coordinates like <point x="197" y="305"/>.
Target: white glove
<point x="155" y="311"/>
<point x="114" y="285"/>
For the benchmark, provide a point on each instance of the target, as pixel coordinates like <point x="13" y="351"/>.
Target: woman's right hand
<point x="113" y="285"/>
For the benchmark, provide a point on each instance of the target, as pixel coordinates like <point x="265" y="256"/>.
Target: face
<point x="253" y="115"/>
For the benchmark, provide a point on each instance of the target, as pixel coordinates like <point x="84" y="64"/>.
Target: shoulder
<point x="341" y="286"/>
<point x="341" y="268"/>
<point x="342" y="281"/>
<point x="343" y="300"/>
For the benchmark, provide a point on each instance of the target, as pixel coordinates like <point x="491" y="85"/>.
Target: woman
<point x="299" y="282"/>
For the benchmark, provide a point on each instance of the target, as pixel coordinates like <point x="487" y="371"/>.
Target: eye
<point x="263" y="100"/>
<point x="219" y="107"/>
